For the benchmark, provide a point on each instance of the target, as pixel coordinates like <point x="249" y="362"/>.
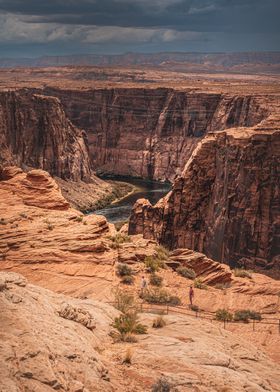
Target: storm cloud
<point x="144" y="25"/>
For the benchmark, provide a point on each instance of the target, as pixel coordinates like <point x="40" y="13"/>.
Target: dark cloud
<point x="255" y="22"/>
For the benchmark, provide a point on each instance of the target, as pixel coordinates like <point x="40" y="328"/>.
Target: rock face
<point x="55" y="246"/>
<point x="226" y="202"/>
<point x="35" y="132"/>
<point x="151" y="133"/>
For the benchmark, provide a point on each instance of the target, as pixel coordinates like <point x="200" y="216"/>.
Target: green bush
<point x="188" y="273"/>
<point x="124" y="270"/>
<point x="195" y="308"/>
<point x="161" y="296"/>
<point x="174" y="300"/>
<point x="162" y="253"/>
<point x="128" y="323"/>
<point x="246" y="315"/>
<point x="127" y="279"/>
<point x="223" y="315"/>
<point x="153" y="264"/>
<point x="119" y="239"/>
<point x="123" y="301"/>
<point x="159" y="322"/>
<point x="198" y="284"/>
<point x="242" y="273"/>
<point x="162" y="385"/>
<point x="156" y="280"/>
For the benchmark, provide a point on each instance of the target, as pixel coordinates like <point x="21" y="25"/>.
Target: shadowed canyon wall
<point x="225" y="203"/>
<point x="151" y="133"/>
<point x="35" y="132"/>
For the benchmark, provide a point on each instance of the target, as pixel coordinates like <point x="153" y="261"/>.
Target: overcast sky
<point x="54" y="27"/>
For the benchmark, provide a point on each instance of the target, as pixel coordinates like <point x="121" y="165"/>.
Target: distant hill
<point x="256" y="62"/>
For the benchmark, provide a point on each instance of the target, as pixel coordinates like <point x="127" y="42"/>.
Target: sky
<point x="32" y="28"/>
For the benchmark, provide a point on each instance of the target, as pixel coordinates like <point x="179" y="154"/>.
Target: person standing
<point x="143" y="286"/>
<point x="191" y="295"/>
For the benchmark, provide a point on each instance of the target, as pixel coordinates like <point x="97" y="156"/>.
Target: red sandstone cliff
<point x="34" y="131"/>
<point x="226" y="202"/>
<point x="148" y="132"/>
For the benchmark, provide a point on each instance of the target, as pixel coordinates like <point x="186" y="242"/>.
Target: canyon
<point x="57" y="283"/>
<point x="218" y="142"/>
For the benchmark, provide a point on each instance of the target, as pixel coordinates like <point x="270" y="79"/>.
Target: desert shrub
<point x="156" y="280"/>
<point x="162" y="385"/>
<point x="129" y="323"/>
<point x="128" y="357"/>
<point x="161" y="296"/>
<point x="124" y="269"/>
<point x="242" y="273"/>
<point x="174" y="300"/>
<point x="162" y="253"/>
<point x="2" y="221"/>
<point x="23" y="215"/>
<point x="159" y="322"/>
<point x="223" y="315"/>
<point x="222" y="286"/>
<point x="79" y="218"/>
<point x="186" y="272"/>
<point x="119" y="239"/>
<point x="195" y="308"/>
<point x="246" y="315"/>
<point x="127" y="279"/>
<point x="198" y="284"/>
<point x="123" y="301"/>
<point x="50" y="226"/>
<point x="153" y="264"/>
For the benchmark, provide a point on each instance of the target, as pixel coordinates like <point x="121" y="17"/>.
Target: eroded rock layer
<point x="52" y="342"/>
<point x="35" y="132"/>
<point x="148" y="132"/>
<point x="226" y="202"/>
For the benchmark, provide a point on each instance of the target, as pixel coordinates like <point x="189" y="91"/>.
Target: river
<point x="120" y="210"/>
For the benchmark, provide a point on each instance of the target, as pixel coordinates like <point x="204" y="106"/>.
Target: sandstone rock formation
<point x="58" y="248"/>
<point x="35" y="132"/>
<point x="226" y="202"/>
<point x="150" y="133"/>
<point x="42" y="351"/>
<point x="45" y="239"/>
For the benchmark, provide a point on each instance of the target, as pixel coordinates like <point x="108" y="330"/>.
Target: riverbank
<point x="88" y="197"/>
<point x="118" y="212"/>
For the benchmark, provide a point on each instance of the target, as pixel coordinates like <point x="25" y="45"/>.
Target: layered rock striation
<point x="36" y="133"/>
<point x="151" y="132"/>
<point x="226" y="202"/>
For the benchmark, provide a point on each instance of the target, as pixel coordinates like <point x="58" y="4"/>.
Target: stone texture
<point x="150" y="133"/>
<point x="42" y="351"/>
<point x="226" y="202"/>
<point x="35" y="132"/>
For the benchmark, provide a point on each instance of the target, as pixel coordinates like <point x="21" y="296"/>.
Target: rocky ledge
<point x="225" y="204"/>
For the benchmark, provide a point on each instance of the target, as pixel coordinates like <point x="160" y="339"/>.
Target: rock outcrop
<point x="151" y="133"/>
<point x="35" y="132"/>
<point x="40" y="350"/>
<point x="226" y="202"/>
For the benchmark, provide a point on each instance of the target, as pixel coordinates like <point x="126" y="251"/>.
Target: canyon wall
<point x="226" y="202"/>
<point x="151" y="133"/>
<point x="35" y="132"/>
